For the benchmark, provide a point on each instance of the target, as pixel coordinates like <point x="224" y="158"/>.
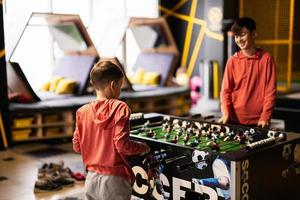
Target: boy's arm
<point x="227" y="88"/>
<point x="270" y="92"/>
<point x="121" y="137"/>
<point x="75" y="140"/>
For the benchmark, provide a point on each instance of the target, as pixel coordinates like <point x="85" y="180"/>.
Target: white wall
<point x="105" y="19"/>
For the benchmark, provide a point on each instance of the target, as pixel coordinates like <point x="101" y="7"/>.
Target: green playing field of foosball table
<point x="197" y="141"/>
<point x="203" y="135"/>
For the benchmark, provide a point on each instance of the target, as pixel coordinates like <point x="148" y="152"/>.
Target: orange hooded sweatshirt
<point x="102" y="137"/>
<point x="248" y="91"/>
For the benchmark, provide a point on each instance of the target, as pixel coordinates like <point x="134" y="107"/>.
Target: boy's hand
<point x="147" y="150"/>
<point x="224" y="119"/>
<point x="263" y="124"/>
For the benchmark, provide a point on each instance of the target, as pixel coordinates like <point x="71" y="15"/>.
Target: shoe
<point x="59" y="179"/>
<point x="49" y="169"/>
<point x="53" y="167"/>
<point x="42" y="170"/>
<point x="45" y="185"/>
<point x="66" y="172"/>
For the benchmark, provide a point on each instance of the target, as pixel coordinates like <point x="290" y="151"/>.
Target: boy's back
<point x="101" y="136"/>
<point x="102" y="132"/>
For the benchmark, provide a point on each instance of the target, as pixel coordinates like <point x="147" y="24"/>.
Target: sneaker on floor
<point x="45" y="185"/>
<point x="59" y="179"/>
<point x="42" y="170"/>
<point x="50" y="169"/>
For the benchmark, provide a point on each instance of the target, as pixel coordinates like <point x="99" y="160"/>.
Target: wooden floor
<point x="21" y="169"/>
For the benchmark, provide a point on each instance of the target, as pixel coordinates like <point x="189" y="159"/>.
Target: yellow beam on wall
<point x="272" y="42"/>
<point x="241" y="3"/>
<point x="176" y="7"/>
<point x="276" y="28"/>
<point x="216" y="89"/>
<point x="183" y="17"/>
<point x="2" y="53"/>
<point x="188" y="35"/>
<point x="195" y="52"/>
<point x="216" y="36"/>
<point x="176" y="15"/>
<point x="282" y="88"/>
<point x="197" y="21"/>
<point x="290" y="50"/>
<point x="3" y="134"/>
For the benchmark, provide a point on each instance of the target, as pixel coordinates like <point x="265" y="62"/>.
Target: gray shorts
<point x="103" y="187"/>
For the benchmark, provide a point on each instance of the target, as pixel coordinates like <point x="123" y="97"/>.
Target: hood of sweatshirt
<point x="258" y="54"/>
<point x="107" y="111"/>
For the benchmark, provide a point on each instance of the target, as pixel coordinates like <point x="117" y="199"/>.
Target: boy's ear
<point x="113" y="84"/>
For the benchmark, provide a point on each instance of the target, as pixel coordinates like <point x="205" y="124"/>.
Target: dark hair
<point x="105" y="71"/>
<point x="246" y="22"/>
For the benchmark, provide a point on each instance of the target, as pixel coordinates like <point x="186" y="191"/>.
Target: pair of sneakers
<point x="53" y="177"/>
<point x="66" y="172"/>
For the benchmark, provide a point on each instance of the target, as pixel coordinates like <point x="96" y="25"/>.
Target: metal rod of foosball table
<point x="165" y="161"/>
<point x="150" y="125"/>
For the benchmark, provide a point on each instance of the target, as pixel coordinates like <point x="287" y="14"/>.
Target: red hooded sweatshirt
<point x="248" y="91"/>
<point x="102" y="137"/>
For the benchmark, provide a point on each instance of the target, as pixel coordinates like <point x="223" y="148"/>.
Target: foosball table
<point x="195" y="159"/>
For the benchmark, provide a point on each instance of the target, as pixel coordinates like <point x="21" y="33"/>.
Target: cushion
<point x="46" y="86"/>
<point x="137" y="77"/>
<point x="54" y="83"/>
<point x="66" y="86"/>
<point x="151" y="78"/>
<point x="156" y="62"/>
<point x="76" y="68"/>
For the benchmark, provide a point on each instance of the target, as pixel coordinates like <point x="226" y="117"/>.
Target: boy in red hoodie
<point x="248" y="91"/>
<point x="102" y="136"/>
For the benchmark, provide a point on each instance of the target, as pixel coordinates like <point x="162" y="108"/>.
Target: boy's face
<point x="245" y="39"/>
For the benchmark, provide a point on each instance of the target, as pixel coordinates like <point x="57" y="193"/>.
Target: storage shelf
<point x="27" y="125"/>
<point x="45" y="125"/>
<point x="40" y="126"/>
<point x="34" y="138"/>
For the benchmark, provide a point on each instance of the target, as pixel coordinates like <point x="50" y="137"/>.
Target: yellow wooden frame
<point x="289" y="41"/>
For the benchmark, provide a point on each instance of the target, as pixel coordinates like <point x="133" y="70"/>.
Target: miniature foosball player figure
<point x="150" y="133"/>
<point x="169" y="128"/>
<point x="229" y="136"/>
<point x="164" y="127"/>
<point x="186" y="138"/>
<point x="167" y="136"/>
<point x="213" y="145"/>
<point x="175" y="139"/>
<point x="146" y="125"/>
<point x="198" y="134"/>
<point x="223" y="129"/>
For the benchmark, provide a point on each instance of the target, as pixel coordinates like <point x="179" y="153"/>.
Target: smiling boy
<point x="248" y="92"/>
